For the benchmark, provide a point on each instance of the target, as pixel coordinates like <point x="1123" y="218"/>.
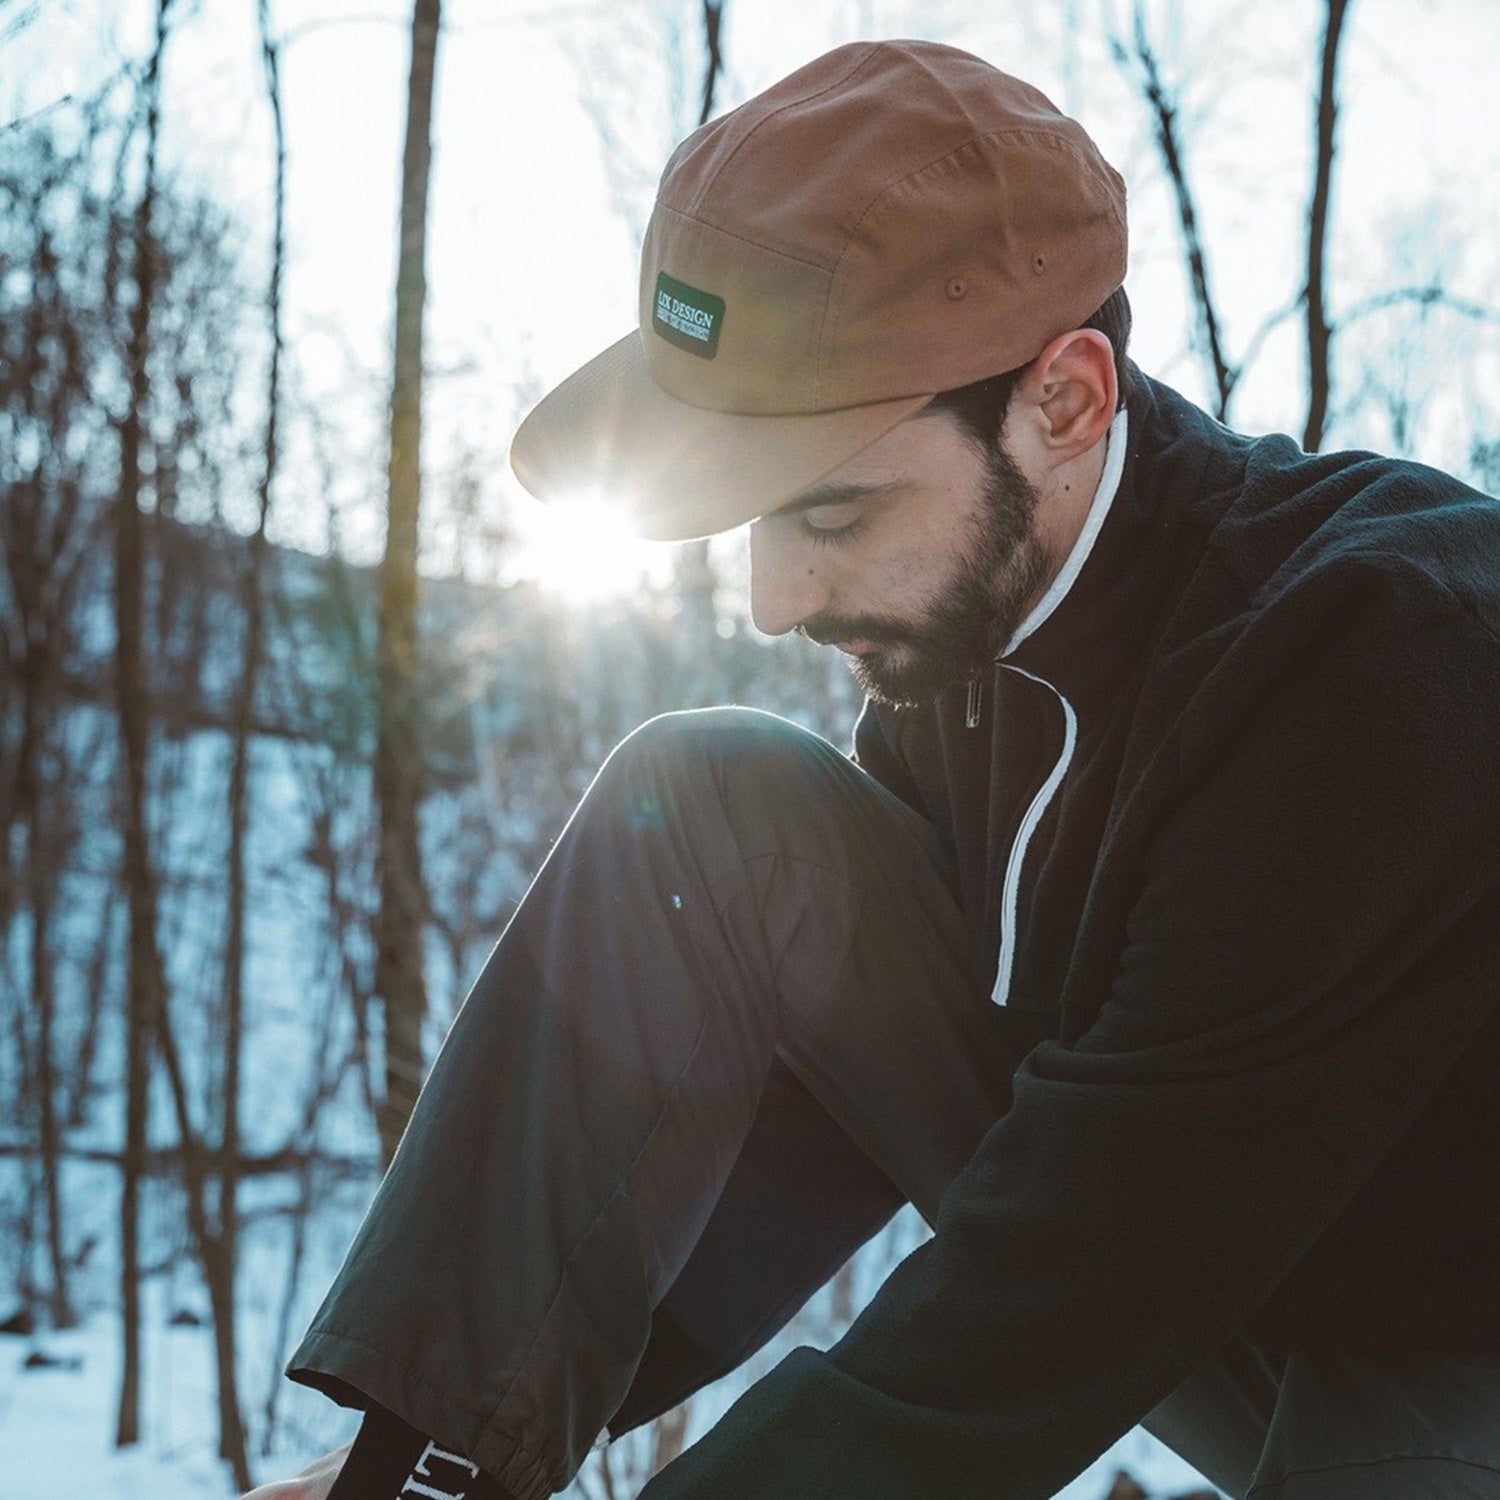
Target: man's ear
<point x="1066" y="397"/>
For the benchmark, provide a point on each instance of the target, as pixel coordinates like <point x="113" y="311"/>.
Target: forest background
<point x="296" y="686"/>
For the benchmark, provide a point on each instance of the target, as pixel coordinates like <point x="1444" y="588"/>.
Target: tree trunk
<point x="398" y="755"/>
<point x="221" y="1253"/>
<point x="81" y="1083"/>
<point x="217" y="1253"/>
<point x="1319" y="334"/>
<point x="60" y="1304"/>
<point x="220" y="1250"/>
<point x="713" y="67"/>
<point x="41" y="860"/>
<point x="143" y="965"/>
<point x="1163" y="106"/>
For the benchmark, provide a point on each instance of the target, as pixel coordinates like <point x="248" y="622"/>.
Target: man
<point x="1150" y="949"/>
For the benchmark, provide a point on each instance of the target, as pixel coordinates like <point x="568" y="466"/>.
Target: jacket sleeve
<point x="1311" y="945"/>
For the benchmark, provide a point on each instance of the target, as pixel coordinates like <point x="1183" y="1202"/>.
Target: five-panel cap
<point x="893" y="220"/>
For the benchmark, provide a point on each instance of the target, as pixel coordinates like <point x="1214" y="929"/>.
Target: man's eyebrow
<point x="834" y="494"/>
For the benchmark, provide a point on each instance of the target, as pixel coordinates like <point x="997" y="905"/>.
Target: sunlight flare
<point x="579" y="549"/>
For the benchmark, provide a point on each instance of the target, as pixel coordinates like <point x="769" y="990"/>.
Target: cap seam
<point x="1055" y="138"/>
<point x="870" y="56"/>
<point x="746" y="240"/>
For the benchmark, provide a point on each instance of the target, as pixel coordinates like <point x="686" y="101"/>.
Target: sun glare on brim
<point x="579" y="549"/>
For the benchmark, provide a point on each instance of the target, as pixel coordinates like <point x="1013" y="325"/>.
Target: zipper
<point x="1011" y="891"/>
<point x="1057" y="590"/>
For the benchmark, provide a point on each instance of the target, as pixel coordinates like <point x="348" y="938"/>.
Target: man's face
<point x="918" y="559"/>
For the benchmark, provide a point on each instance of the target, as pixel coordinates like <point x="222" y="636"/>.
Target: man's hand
<point x="313" y="1483"/>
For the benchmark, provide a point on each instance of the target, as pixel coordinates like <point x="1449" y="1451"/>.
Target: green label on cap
<point x="687" y="317"/>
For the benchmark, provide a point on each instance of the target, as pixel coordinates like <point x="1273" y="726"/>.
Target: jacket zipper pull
<point x="971" y="709"/>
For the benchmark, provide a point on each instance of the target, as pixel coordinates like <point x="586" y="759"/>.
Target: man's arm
<point x="1311" y="948"/>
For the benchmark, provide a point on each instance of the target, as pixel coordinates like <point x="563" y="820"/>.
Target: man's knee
<point x="735" y="781"/>
<point x="717" y="744"/>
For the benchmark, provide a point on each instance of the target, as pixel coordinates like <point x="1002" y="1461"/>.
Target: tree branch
<point x="1268" y="326"/>
<point x="1164" y="111"/>
<point x="1431" y="295"/>
<point x="713" y="14"/>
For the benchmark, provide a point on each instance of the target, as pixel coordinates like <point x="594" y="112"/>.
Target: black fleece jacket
<point x="1254" y="984"/>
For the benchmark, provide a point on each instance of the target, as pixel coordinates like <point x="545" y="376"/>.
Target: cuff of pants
<point x="355" y="1375"/>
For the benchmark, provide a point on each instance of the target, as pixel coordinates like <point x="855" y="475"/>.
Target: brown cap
<point x="890" y="221"/>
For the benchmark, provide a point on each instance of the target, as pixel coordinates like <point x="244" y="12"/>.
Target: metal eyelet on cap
<point x="1038" y="263"/>
<point x="957" y="288"/>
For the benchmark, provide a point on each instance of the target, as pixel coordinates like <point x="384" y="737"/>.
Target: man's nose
<point x="786" y="584"/>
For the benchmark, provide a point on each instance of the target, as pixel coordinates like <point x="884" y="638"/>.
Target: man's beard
<point x="975" y="612"/>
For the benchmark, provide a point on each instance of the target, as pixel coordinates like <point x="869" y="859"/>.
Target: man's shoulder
<point x="1278" y="519"/>
<point x="1368" y="518"/>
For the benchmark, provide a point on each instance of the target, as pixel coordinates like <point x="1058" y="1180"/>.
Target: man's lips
<point x="856" y="647"/>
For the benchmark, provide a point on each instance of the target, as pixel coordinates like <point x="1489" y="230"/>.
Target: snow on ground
<point x="56" y="1425"/>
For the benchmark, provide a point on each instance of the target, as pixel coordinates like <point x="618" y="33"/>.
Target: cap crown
<point x="894" y="219"/>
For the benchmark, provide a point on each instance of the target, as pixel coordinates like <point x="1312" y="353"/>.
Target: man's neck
<point x="1084" y="492"/>
<point x="1063" y="505"/>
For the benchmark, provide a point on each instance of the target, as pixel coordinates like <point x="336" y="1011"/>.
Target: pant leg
<point x="801" y="1199"/>
<point x="1219" y="1417"/>
<point x="1403" y="1425"/>
<point x="731" y="893"/>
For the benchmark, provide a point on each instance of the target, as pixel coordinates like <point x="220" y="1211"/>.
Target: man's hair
<point x="980" y="408"/>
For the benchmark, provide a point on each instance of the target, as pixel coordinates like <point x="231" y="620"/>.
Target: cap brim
<point x="681" y="471"/>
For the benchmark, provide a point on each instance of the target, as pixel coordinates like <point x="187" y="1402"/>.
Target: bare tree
<point x="145" y="984"/>
<point x="220" y="1231"/>
<point x="184" y="630"/>
<point x="1139" y="58"/>
<point x="713" y="65"/>
<point x="401" y="920"/>
<point x="148" y="1020"/>
<point x="1319" y="333"/>
<point x="1164" y="106"/>
<point x="49" y="530"/>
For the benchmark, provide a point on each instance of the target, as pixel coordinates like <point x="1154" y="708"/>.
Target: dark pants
<point x="733" y="1026"/>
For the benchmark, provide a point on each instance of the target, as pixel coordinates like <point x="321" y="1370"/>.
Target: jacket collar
<point x="1096" y="619"/>
<point x="1060" y="587"/>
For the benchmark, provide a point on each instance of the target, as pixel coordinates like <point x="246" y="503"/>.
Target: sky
<point x="552" y="120"/>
